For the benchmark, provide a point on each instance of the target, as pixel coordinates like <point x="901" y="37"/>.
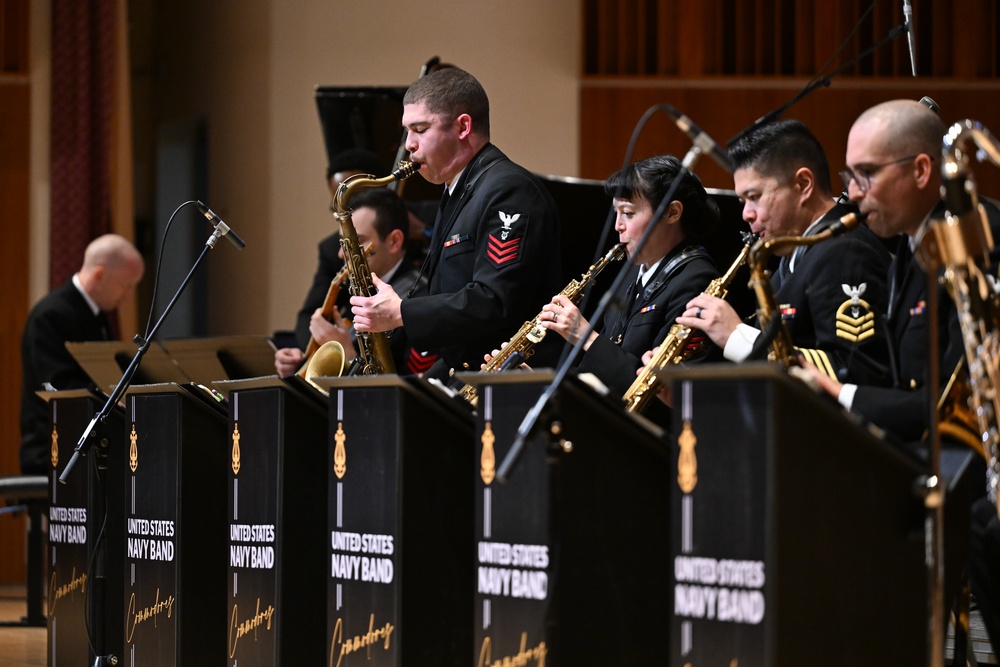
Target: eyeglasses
<point x="863" y="176"/>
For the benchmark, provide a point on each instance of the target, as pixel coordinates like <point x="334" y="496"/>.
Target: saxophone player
<point x="831" y="295"/>
<point x="668" y="271"/>
<point x="494" y="253"/>
<point x="894" y="175"/>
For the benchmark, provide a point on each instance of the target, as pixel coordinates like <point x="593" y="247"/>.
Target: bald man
<point x="894" y="175"/>
<point x="74" y="312"/>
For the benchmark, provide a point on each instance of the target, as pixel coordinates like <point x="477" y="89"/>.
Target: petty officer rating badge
<point x="505" y="240"/>
<point x="855" y="321"/>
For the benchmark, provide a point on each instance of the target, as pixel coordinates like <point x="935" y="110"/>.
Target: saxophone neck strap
<point x="672" y="266"/>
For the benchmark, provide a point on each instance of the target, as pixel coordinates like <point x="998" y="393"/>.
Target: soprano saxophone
<point x="675" y="348"/>
<point x="374" y="351"/>
<point x="782" y="350"/>
<point x="531" y="333"/>
<point x="961" y="243"/>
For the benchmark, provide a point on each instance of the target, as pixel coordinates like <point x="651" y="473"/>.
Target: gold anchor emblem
<point x="54" y="452"/>
<point x="133" y="451"/>
<point x="236" y="449"/>
<point x="339" y="453"/>
<point x="687" y="462"/>
<point x="488" y="460"/>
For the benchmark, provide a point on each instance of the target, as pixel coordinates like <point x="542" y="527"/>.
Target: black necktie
<point x="441" y="216"/>
<point x="781" y="275"/>
<point x="900" y="269"/>
<point x="628" y="301"/>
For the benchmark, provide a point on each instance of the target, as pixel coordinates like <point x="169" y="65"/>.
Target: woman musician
<point x="670" y="270"/>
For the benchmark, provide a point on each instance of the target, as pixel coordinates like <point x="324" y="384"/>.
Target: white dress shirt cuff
<point x="740" y="343"/>
<point x="846" y="397"/>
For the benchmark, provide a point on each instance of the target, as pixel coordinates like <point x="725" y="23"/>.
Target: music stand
<point x="206" y="360"/>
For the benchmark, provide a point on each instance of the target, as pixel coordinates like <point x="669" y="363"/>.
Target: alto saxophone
<point x="375" y="355"/>
<point x="782" y="350"/>
<point x="531" y="333"/>
<point x="675" y="348"/>
<point x="961" y="243"/>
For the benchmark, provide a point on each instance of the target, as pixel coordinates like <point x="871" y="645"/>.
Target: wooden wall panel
<point x="14" y="113"/>
<point x="14" y="217"/>
<point x="610" y="109"/>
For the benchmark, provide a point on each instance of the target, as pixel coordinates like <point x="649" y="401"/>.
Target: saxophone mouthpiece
<point x="405" y="169"/>
<point x="847" y="223"/>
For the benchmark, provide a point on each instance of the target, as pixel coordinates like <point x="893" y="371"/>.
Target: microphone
<point x="908" y="23"/>
<point x="702" y="142"/>
<point x="221" y="228"/>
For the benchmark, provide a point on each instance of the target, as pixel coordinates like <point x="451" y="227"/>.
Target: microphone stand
<point x="87" y="441"/>
<point x="816" y="83"/>
<point x="527" y="426"/>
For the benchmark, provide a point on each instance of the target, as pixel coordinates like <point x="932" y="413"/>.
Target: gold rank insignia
<point x="133" y="451"/>
<point x="236" y="449"/>
<point x="54" y="452"/>
<point x="487" y="461"/>
<point x="687" y="462"/>
<point x="339" y="453"/>
<point x="855" y="321"/>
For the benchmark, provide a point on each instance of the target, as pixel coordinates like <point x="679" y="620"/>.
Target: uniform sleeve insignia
<point x="855" y="321"/>
<point x="420" y="362"/>
<point x="505" y="242"/>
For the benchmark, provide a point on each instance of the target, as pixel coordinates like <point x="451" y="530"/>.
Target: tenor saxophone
<point x="961" y="243"/>
<point x="675" y="348"/>
<point x="375" y="355"/>
<point x="328" y="307"/>
<point x="768" y="317"/>
<point x="531" y="333"/>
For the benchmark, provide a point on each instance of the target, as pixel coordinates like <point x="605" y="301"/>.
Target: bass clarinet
<point x="375" y="356"/>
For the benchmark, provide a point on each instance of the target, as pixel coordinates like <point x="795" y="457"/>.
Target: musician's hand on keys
<point x="562" y="316"/>
<point x="712" y="315"/>
<point x="379" y="312"/>
<point x="664" y="394"/>
<point x="489" y="356"/>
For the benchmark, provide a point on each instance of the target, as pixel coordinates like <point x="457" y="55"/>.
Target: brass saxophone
<point x="782" y="350"/>
<point x="374" y="351"/>
<point x="675" y="349"/>
<point x="531" y="333"/>
<point x="329" y="305"/>
<point x="961" y="243"/>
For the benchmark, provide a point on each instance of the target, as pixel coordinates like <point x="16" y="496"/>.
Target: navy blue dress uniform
<point x="492" y="264"/>
<point x="833" y="302"/>
<point x="61" y="316"/>
<point x="902" y="409"/>
<point x="646" y="319"/>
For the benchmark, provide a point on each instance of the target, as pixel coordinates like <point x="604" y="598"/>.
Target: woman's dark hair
<point x="651" y="179"/>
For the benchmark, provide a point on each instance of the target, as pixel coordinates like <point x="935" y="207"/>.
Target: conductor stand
<point x="95" y="434"/>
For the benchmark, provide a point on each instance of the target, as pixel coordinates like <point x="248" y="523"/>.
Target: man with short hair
<point x="494" y="256"/>
<point x="894" y="175"/>
<point x="381" y="219"/>
<point x="74" y="312"/>
<point x="830" y="295"/>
